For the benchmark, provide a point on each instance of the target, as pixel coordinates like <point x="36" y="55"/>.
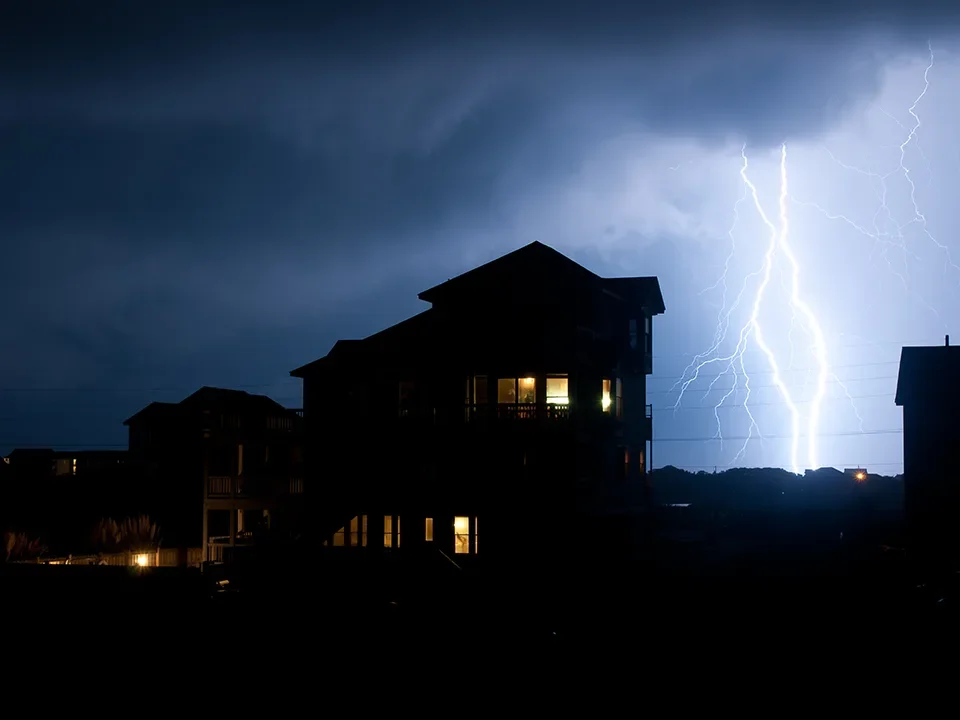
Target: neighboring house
<point x="235" y="455"/>
<point x="928" y="389"/>
<point x="518" y="398"/>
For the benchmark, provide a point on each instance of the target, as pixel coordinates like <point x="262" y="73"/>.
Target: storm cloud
<point x="214" y="192"/>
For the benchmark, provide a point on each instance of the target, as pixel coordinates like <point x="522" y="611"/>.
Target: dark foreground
<point x="767" y="610"/>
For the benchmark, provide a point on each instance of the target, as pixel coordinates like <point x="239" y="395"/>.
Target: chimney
<point x="946" y="340"/>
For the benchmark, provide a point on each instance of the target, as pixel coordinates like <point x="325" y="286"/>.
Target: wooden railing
<point x="516" y="412"/>
<point x="224" y="486"/>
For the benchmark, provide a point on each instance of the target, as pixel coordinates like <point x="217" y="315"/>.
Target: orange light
<point x="860" y="476"/>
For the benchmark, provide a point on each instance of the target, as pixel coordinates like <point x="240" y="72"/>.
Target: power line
<point x="726" y="438"/>
<point x="739" y="406"/>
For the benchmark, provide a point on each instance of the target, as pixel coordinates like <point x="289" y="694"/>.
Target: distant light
<point x="860" y="476"/>
<point x="605" y="402"/>
<point x="142" y="560"/>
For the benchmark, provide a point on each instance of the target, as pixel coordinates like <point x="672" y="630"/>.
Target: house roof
<point x="506" y="268"/>
<point x="209" y="398"/>
<point x="516" y="268"/>
<point x="642" y="290"/>
<point x="928" y="371"/>
<point x="404" y="334"/>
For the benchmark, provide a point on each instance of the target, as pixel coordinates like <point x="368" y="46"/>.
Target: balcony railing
<point x="516" y="412"/>
<point x="223" y="486"/>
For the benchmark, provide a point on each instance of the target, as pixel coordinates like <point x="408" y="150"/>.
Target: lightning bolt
<point x="777" y="246"/>
<point x="889" y="236"/>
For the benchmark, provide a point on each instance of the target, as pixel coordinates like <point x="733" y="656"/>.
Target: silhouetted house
<point x="518" y="398"/>
<point x="928" y="389"/>
<point x="219" y="467"/>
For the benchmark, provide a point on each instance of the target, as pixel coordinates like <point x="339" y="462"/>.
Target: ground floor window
<point x="465" y="535"/>
<point x="428" y="530"/>
<point x="355" y="537"/>
<point x="391" y="531"/>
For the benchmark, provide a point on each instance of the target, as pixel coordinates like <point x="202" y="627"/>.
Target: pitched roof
<point x="513" y="266"/>
<point x="928" y="372"/>
<point x="209" y="398"/>
<point x="642" y="290"/>
<point x="403" y="335"/>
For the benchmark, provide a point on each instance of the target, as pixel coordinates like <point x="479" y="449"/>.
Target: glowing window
<point x="461" y="533"/>
<point x="558" y="390"/>
<point x="391" y="531"/>
<point x="606" y="399"/>
<point x="428" y="530"/>
<point x="507" y="390"/>
<point x="358" y="531"/>
<point x="465" y="535"/>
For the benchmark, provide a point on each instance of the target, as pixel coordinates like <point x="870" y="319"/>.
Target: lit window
<point x="506" y="390"/>
<point x="358" y="531"/>
<point x="461" y="530"/>
<point x="605" y="398"/>
<point x="340" y="537"/>
<point x="428" y="530"/>
<point x="74" y="466"/>
<point x="528" y="390"/>
<point x="391" y="531"/>
<point x="465" y="535"/>
<point x="558" y="390"/>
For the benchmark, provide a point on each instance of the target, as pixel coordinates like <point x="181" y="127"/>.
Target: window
<point x="428" y="530"/>
<point x="558" y="390"/>
<point x="517" y="390"/>
<point x="506" y="390"/>
<point x="465" y="535"/>
<point x="618" y="398"/>
<point x="240" y="459"/>
<point x="391" y="531"/>
<point x="358" y="531"/>
<point x="606" y="396"/>
<point x="406" y="398"/>
<point x="626" y="463"/>
<point x="647" y="334"/>
<point x="480" y="390"/>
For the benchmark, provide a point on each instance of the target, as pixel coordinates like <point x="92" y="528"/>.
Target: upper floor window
<point x="517" y="390"/>
<point x="633" y="333"/>
<point x="611" y="397"/>
<point x="647" y="333"/>
<point x="558" y="390"/>
<point x="476" y="390"/>
<point x="406" y="398"/>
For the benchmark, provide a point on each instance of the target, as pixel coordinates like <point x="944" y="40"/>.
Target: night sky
<point x="213" y="193"/>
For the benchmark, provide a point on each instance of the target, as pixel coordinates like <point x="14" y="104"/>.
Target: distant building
<point x="220" y="466"/>
<point x="41" y="463"/>
<point x="518" y="398"/>
<point x="928" y="390"/>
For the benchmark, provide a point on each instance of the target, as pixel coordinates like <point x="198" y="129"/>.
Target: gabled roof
<point x="642" y="290"/>
<point x="513" y="266"/>
<point x="152" y="410"/>
<point x="404" y="335"/>
<point x="209" y="398"/>
<point x="928" y="372"/>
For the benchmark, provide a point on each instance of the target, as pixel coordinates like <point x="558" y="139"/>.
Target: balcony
<point x="521" y="412"/>
<point x="225" y="486"/>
